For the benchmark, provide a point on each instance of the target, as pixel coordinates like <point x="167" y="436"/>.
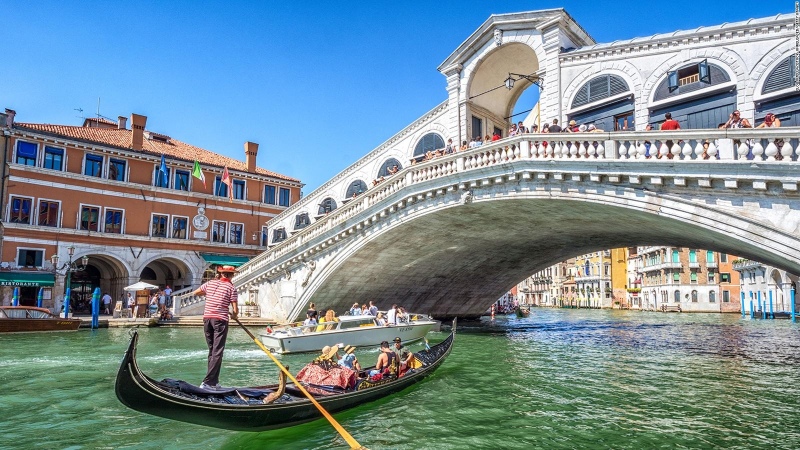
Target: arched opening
<point x="782" y="98"/>
<point x="428" y="143"/>
<point x="712" y="99"/>
<point x="355" y="189"/>
<point x="167" y="272"/>
<point x="326" y="206"/>
<point x="491" y="105"/>
<point x="605" y="101"/>
<point x="389" y="167"/>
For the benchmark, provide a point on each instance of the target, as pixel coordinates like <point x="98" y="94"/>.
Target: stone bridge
<point x="450" y="235"/>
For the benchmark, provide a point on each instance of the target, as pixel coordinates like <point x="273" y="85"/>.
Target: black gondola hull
<point x="142" y="393"/>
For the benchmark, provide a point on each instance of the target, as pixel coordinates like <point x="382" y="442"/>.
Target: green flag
<point x="197" y="172"/>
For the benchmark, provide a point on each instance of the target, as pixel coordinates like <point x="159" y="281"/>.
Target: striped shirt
<point x="219" y="295"/>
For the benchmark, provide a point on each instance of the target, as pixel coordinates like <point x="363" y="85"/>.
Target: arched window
<point x="677" y="296"/>
<point x="278" y="235"/>
<point x="694" y="296"/>
<point x="301" y="221"/>
<point x="356" y="188"/>
<point x="599" y="88"/>
<point x="390" y="164"/>
<point x="712" y="297"/>
<point x="781" y="77"/>
<point x="148" y="274"/>
<point x="689" y="78"/>
<point x="429" y="142"/>
<point x="326" y="206"/>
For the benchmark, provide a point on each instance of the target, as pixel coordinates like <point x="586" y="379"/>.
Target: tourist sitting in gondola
<point x="386" y="365"/>
<point x="349" y="359"/>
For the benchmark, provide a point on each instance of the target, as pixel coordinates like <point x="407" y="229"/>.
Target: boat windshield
<point x="23" y="313"/>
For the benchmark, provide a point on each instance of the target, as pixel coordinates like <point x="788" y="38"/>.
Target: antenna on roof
<point x="98" y="109"/>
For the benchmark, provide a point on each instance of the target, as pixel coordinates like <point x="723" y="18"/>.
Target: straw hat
<point x="349" y="349"/>
<point x="226" y="269"/>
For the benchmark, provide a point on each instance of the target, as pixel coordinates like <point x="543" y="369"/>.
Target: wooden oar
<point x="342" y="432"/>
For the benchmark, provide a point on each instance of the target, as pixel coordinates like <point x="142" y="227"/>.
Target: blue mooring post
<point x="771" y="312"/>
<point x="96" y="309"/>
<point x="752" y="311"/>
<point x="793" y="318"/>
<point x="762" y="307"/>
<point x="40" y="298"/>
<point x="66" y="302"/>
<point x="15" y="297"/>
<point x="742" y="302"/>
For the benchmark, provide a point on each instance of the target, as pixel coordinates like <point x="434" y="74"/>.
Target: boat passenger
<point x="372" y="308"/>
<point x="364" y="309"/>
<point x="391" y="315"/>
<point x="349" y="359"/>
<point x="403" y="355"/>
<point x="355" y="310"/>
<point x="310" y="322"/>
<point x="386" y="361"/>
<point x="380" y="320"/>
<point x="330" y="318"/>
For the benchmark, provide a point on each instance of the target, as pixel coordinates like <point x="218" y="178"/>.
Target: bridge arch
<point x="488" y="101"/>
<point x="467" y="262"/>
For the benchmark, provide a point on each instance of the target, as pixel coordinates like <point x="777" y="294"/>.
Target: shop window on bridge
<point x="477" y="128"/>
<point x="326" y="206"/>
<point x="599" y="88"/>
<point x="390" y="167"/>
<point x="690" y="78"/>
<point x="428" y="143"/>
<point x="676" y="296"/>
<point x="278" y="235"/>
<point x="781" y="77"/>
<point x="355" y="189"/>
<point x="301" y="221"/>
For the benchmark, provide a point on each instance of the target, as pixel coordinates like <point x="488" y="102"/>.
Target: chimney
<point x="137" y="126"/>
<point x="250" y="153"/>
<point x="122" y="123"/>
<point x="10" y="121"/>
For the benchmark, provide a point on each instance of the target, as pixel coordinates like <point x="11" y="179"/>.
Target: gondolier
<point x="220" y="296"/>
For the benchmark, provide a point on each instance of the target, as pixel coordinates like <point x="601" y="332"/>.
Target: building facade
<point x="765" y="288"/>
<point x="694" y="280"/>
<point x="126" y="198"/>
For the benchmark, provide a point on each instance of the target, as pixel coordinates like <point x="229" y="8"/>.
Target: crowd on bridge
<point x="735" y="121"/>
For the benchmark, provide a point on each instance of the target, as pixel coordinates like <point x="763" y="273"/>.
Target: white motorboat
<point x="359" y="331"/>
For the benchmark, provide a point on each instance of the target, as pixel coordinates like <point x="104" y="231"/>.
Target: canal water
<point x="557" y="379"/>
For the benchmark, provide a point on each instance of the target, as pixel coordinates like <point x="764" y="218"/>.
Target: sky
<point x="316" y="84"/>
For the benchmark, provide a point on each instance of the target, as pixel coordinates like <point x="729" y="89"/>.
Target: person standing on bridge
<point x="220" y="297"/>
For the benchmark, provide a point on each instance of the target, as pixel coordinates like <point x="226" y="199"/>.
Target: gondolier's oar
<point x="342" y="432"/>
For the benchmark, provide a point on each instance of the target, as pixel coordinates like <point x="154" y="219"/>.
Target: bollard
<point x="66" y="302"/>
<point x="15" y="297"/>
<point x="762" y="307"/>
<point x="752" y="312"/>
<point x="96" y="309"/>
<point x="40" y="298"/>
<point x="771" y="312"/>
<point x="793" y="315"/>
<point x="742" y="304"/>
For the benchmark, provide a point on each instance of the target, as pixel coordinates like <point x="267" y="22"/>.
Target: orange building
<point x="127" y="199"/>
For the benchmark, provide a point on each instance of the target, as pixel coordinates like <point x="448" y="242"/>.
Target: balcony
<point x="711" y="265"/>
<point x="742" y="264"/>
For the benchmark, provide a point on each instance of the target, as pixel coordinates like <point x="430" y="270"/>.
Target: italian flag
<point x="197" y="172"/>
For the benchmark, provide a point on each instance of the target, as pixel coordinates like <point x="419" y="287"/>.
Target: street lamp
<point x="535" y="79"/>
<point x="68" y="268"/>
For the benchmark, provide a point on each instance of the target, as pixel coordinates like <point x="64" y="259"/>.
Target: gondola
<point x="244" y="409"/>
<point x="522" y="312"/>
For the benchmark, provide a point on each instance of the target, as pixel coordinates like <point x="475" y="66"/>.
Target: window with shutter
<point x="599" y="88"/>
<point x="781" y="77"/>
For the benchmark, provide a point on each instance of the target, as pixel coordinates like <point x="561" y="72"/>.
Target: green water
<point x="558" y="379"/>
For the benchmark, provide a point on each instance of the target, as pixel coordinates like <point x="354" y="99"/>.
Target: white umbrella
<point x="140" y="286"/>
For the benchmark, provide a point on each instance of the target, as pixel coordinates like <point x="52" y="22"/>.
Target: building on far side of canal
<point x="125" y="197"/>
<point x="760" y="284"/>
<point x="693" y="279"/>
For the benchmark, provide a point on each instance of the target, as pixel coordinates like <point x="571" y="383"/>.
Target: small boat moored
<point x="31" y="318"/>
<point x="358" y="331"/>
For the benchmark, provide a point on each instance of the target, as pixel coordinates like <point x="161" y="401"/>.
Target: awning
<point x="225" y="260"/>
<point x="26" y="279"/>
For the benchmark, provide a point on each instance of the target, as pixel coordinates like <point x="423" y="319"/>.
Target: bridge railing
<point x="773" y="145"/>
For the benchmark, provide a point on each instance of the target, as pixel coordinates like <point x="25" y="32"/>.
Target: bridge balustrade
<point x="746" y="146"/>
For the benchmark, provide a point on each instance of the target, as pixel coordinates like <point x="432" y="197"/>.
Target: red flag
<point x="226" y="179"/>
